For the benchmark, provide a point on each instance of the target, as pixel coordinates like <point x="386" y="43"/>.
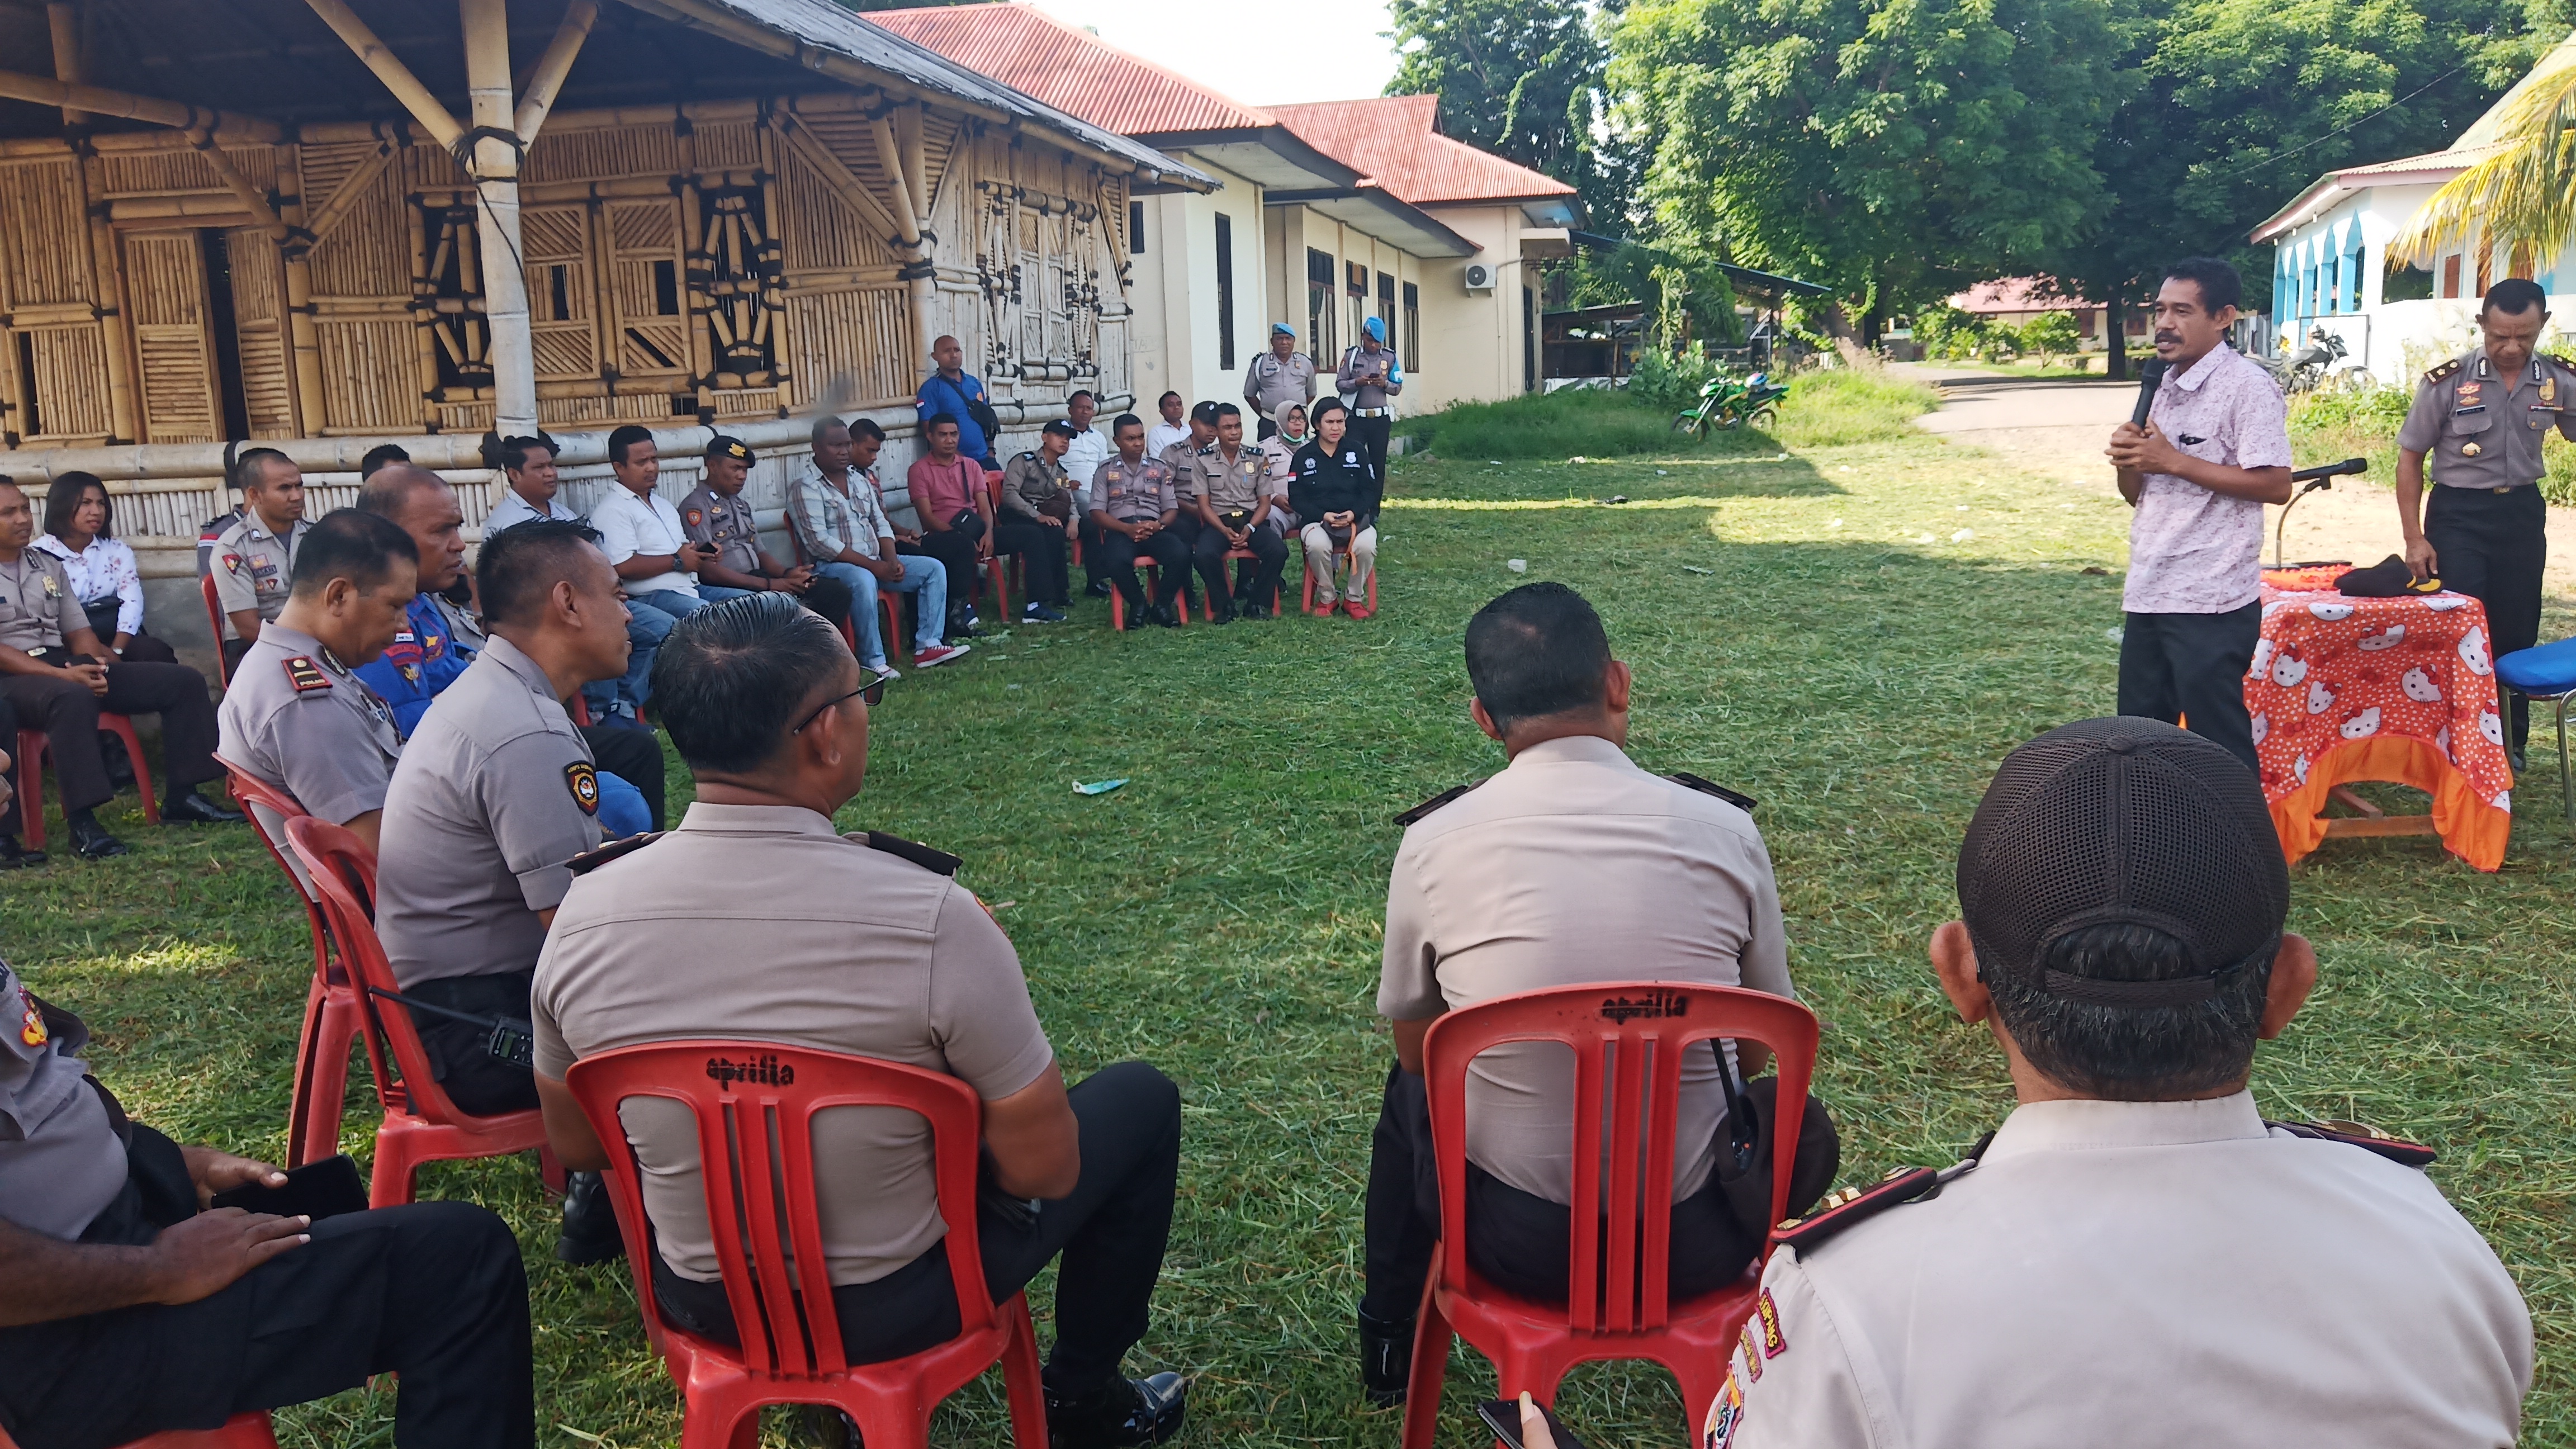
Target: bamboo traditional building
<point x="235" y="223"/>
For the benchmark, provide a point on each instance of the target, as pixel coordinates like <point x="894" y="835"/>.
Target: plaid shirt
<point x="827" y="520"/>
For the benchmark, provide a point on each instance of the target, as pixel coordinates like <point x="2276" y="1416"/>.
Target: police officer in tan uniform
<point x="131" y="1308"/>
<point x="295" y="715"/>
<point x="1571" y="865"/>
<point x="2481" y="418"/>
<point x="253" y="559"/>
<point x="1227" y="488"/>
<point x="1278" y="377"/>
<point x="875" y="951"/>
<point x="2136" y="1257"/>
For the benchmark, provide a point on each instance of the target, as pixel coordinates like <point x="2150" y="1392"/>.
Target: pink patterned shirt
<point x="2192" y="551"/>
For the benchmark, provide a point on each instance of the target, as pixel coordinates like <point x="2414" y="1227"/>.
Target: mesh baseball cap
<point x="2123" y="821"/>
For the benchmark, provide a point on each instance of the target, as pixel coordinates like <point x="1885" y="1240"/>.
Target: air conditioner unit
<point x="1479" y="277"/>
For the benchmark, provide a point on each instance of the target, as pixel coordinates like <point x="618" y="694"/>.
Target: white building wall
<point x="1176" y="337"/>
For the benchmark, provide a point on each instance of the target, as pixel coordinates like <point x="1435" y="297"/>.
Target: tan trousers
<point x="1319" y="561"/>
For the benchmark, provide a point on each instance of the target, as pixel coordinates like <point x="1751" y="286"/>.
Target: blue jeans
<point x="922" y="574"/>
<point x="719" y="594"/>
<point x="672" y="602"/>
<point x="646" y="628"/>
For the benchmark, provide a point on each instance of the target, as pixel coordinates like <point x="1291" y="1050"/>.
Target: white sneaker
<point x="933" y="658"/>
<point x="885" y="673"/>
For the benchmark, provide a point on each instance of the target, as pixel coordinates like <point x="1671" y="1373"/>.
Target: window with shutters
<point x="1136" y="228"/>
<point x="1386" y="305"/>
<point x="563" y="308"/>
<point x="1412" y="328"/>
<point x="165" y="279"/>
<point x="1321" y="342"/>
<point x="645" y="301"/>
<point x="1225" y="291"/>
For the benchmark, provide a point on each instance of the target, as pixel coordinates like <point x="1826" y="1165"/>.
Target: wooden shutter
<point x="259" y="323"/>
<point x="562" y="309"/>
<point x="648" y="288"/>
<point x="166" y="287"/>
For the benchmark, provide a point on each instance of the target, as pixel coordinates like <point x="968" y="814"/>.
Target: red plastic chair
<point x="1628" y="1039"/>
<point x="1118" y="601"/>
<point x="31" y="776"/>
<point x="1338" y="554"/>
<point x="790" y="1353"/>
<point x="996" y="581"/>
<point x="215" y="621"/>
<point x="241" y="1431"/>
<point x="1233" y="555"/>
<point x="580" y="710"/>
<point x="421" y="1124"/>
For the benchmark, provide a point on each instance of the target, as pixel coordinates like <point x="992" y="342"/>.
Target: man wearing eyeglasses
<point x="872" y="949"/>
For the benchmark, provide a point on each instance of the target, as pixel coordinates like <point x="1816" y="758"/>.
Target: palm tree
<point x="2523" y="192"/>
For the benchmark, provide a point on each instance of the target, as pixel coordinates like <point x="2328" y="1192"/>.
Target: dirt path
<point x="2058" y="429"/>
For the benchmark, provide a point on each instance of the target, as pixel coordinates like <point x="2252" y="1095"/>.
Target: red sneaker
<point x="937" y="655"/>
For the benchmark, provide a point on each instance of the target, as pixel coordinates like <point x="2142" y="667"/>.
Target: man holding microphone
<point x="2482" y="418"/>
<point x="2214" y="449"/>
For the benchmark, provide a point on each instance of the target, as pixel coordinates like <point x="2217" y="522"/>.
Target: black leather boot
<point x="1386" y="1359"/>
<point x="1118" y="1414"/>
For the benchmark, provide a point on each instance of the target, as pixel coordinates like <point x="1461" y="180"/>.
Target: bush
<point x="1662" y="380"/>
<point x="1851" y="405"/>
<point x="1592" y="422"/>
<point x="2050" y="334"/>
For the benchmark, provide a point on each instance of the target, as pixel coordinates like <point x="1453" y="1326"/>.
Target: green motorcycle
<point x="1726" y="403"/>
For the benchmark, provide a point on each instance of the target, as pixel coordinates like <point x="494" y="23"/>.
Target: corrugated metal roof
<point x="1396" y="142"/>
<point x="1072" y="70"/>
<point x="820" y="25"/>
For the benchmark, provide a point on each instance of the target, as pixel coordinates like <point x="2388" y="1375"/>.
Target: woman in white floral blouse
<point x="80" y="530"/>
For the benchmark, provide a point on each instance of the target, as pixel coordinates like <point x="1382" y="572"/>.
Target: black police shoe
<point x="187" y="807"/>
<point x="1386" y="1359"/>
<point x="14" y="856"/>
<point x="90" y="840"/>
<point x="1164" y="615"/>
<point x="1220" y="610"/>
<point x="1097" y="588"/>
<point x="1119" y="1414"/>
<point x="589" y="1222"/>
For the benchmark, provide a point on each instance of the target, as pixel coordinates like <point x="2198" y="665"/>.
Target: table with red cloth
<point x="2403" y="690"/>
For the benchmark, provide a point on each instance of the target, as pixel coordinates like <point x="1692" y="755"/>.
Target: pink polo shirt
<point x="2192" y="551"/>
<point x="940" y="490"/>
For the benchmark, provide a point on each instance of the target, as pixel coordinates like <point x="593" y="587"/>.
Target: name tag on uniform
<point x="2471" y="410"/>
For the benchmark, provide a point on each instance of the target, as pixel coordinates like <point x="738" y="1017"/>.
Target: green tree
<point x="2048" y="336"/>
<point x="1522" y="79"/>
<point x="2230" y="107"/>
<point x="1891" y="149"/>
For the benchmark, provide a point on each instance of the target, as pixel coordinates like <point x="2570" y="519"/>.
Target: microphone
<point x="2151" y="375"/>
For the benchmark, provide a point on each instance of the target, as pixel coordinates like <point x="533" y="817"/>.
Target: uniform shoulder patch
<point x="1847" y="1208"/>
<point x="2443" y="371"/>
<point x="590" y="860"/>
<point x="1423" y="810"/>
<point x="582" y="778"/>
<point x="1689" y="781"/>
<point x="305" y="675"/>
<point x="2365" y="1137"/>
<point x="938" y="862"/>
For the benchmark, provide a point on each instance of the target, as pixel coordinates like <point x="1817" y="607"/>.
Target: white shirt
<point x="105" y="567"/>
<point x="2192" y="551"/>
<point x="2118" y="1274"/>
<point x="629" y="525"/>
<point x="1163" y="435"/>
<point x="514" y="510"/>
<point x="1086" y="451"/>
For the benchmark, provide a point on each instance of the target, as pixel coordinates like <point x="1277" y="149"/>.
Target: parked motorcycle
<point x="1727" y="403"/>
<point x="2308" y="368"/>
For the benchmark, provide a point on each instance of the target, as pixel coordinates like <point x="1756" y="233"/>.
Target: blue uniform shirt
<point x="423" y="659"/>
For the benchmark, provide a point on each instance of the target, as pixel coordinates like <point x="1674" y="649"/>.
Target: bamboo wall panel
<point x="561" y="321"/>
<point x="645" y="295"/>
<point x="165" y="276"/>
<point x="370" y="377"/>
<point x="70" y="361"/>
<point x="845" y="135"/>
<point x="939" y="142"/>
<point x="614" y="151"/>
<point x="325" y="167"/>
<point x="727" y="146"/>
<point x="822" y="230"/>
<point x="160" y="173"/>
<point x="433" y="168"/>
<point x="43" y="235"/>
<point x="585" y="411"/>
<point x="368" y="254"/>
<point x="860" y="335"/>
<point x="259" y="322"/>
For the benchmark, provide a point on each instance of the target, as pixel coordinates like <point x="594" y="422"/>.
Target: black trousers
<point x="2176" y="667"/>
<point x="68" y="714"/>
<point x="141" y="649"/>
<point x="1371" y="435"/>
<point x="476" y="1081"/>
<point x="1517" y="1240"/>
<point x="1111" y="1232"/>
<point x="1256" y="580"/>
<point x="956" y="554"/>
<point x="2492" y="547"/>
<point x="1042" y="552"/>
<point x="826" y="596"/>
<point x="1113" y="557"/>
<point x="635" y="756"/>
<point x="434" y="1292"/>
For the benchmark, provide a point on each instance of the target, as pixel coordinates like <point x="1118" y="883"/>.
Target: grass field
<point x="1853" y="634"/>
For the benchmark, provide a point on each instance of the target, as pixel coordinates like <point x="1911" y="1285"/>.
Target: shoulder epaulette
<point x="2367" y="1138"/>
<point x="938" y="862"/>
<point x="2443" y="371"/>
<point x="303" y="676"/>
<point x="590" y="860"/>
<point x="1690" y="781"/>
<point x="1847" y="1208"/>
<point x="1418" y="812"/>
<point x="2561" y="361"/>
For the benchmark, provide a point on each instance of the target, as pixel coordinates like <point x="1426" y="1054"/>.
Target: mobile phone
<point x="1503" y="1416"/>
<point x="317" y="1190"/>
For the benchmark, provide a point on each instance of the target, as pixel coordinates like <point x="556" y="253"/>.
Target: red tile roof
<point x="1072" y="70"/>
<point x="1396" y="142"/>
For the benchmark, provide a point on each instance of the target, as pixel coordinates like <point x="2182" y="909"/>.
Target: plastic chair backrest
<point x="343" y="872"/>
<point x="1629" y="1039"/>
<point x="773" y="1261"/>
<point x="269" y="809"/>
<point x="215" y="621"/>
